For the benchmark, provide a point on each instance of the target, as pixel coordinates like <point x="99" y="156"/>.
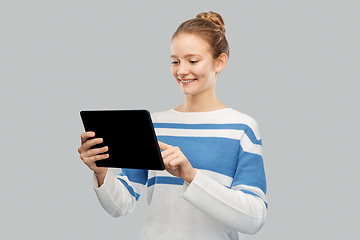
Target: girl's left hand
<point x="176" y="163"/>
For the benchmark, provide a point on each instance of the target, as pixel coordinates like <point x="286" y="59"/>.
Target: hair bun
<point x="215" y="18"/>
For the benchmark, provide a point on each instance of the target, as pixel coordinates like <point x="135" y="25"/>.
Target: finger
<point x="91" y="160"/>
<point x="167" y="159"/>
<point x="170" y="151"/>
<point x="175" y="163"/>
<point x="169" y="165"/>
<point x="93" y="152"/>
<point x="171" y="168"/>
<point x="96" y="151"/>
<point x="164" y="146"/>
<point x="85" y="136"/>
<point x="88" y="144"/>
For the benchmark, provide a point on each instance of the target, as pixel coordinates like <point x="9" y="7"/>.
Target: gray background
<point x="294" y="66"/>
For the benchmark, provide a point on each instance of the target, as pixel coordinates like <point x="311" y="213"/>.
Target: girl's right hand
<point x="90" y="155"/>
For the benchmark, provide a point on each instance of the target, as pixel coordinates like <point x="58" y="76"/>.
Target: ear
<point x="220" y="62"/>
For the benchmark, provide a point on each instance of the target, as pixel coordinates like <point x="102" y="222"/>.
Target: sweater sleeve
<point x="118" y="195"/>
<point x="241" y="211"/>
<point x="243" y="206"/>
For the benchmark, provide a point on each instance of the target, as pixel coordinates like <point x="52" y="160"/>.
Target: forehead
<point x="188" y="44"/>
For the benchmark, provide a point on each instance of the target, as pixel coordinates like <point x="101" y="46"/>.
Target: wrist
<point x="100" y="170"/>
<point x="100" y="175"/>
<point x="191" y="176"/>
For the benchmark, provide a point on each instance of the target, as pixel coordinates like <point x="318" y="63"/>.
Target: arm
<point x="113" y="196"/>
<point x="241" y="207"/>
<point x="90" y="155"/>
<point x="116" y="194"/>
<point x="244" y="212"/>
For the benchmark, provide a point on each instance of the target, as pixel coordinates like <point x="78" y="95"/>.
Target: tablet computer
<point x="130" y="136"/>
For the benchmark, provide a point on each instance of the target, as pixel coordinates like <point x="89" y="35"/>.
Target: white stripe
<point x="255" y="190"/>
<point x="164" y="173"/>
<point x="256" y="149"/>
<point x="138" y="188"/>
<point x="224" y="133"/>
<point x="224" y="116"/>
<point x="220" y="133"/>
<point x="193" y="117"/>
<point x="223" y="179"/>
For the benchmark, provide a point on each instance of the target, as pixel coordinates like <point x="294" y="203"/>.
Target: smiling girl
<point x="214" y="186"/>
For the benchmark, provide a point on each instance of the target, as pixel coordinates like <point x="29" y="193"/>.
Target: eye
<point x="193" y="62"/>
<point x="175" y="62"/>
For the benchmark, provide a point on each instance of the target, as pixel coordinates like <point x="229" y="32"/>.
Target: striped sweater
<point x="227" y="196"/>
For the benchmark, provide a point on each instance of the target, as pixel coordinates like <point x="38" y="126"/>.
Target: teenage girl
<point x="214" y="185"/>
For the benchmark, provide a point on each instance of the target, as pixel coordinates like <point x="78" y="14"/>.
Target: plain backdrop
<point x="294" y="66"/>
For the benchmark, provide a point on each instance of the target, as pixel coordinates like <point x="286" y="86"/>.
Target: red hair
<point x="210" y="27"/>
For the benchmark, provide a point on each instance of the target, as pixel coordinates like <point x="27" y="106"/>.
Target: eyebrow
<point x="187" y="55"/>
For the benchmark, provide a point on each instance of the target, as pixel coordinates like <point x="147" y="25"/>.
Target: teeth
<point x="187" y="81"/>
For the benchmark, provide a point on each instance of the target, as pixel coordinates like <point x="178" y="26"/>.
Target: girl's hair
<point x="210" y="27"/>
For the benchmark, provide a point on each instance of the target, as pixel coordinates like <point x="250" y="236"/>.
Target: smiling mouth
<point x="187" y="81"/>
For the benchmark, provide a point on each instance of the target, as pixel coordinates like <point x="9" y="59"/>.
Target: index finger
<point x="86" y="135"/>
<point x="164" y="146"/>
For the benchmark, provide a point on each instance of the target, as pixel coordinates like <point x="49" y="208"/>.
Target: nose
<point x="182" y="70"/>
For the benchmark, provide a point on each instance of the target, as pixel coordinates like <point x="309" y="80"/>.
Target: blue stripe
<point x="165" y="180"/>
<point x="131" y="190"/>
<point x="135" y="175"/>
<point x="249" y="192"/>
<point x="218" y="155"/>
<point x="248" y="131"/>
<point x="250" y="171"/>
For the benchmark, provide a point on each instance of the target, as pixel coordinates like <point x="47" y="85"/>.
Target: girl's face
<point x="192" y="64"/>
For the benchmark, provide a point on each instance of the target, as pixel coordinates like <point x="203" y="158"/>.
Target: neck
<point x="201" y="103"/>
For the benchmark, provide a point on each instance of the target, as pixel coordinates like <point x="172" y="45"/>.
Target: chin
<point x="188" y="93"/>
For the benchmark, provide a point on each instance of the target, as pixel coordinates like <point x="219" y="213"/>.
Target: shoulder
<point x="250" y="125"/>
<point x="238" y="117"/>
<point x="161" y="116"/>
